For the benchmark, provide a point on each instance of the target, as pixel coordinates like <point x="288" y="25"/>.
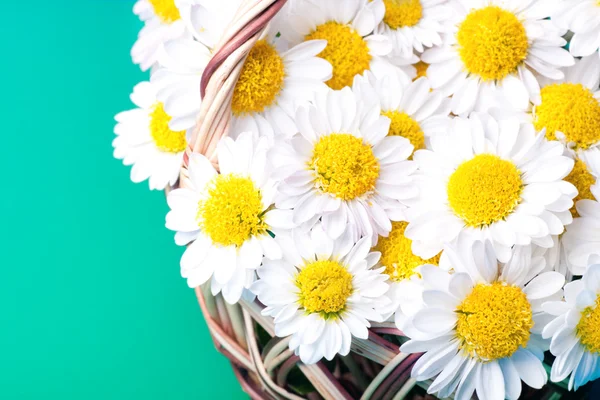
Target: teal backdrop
<point x="92" y="305"/>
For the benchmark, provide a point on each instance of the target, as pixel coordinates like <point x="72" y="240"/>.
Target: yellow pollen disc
<point x="484" y="190"/>
<point x="397" y="256"/>
<point x="164" y="138"/>
<point x="403" y="125"/>
<point x="344" y="166"/>
<point x="324" y="287"/>
<point x="166" y="10"/>
<point x="588" y="328"/>
<point x="346" y="50"/>
<point x="583" y="180"/>
<point x="401" y="13"/>
<point x="494" y="321"/>
<point x="492" y="42"/>
<point x="571" y="109"/>
<point x="421" y="69"/>
<point x="232" y="212"/>
<point x="261" y="80"/>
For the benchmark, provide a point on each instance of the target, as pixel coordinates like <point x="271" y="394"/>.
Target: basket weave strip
<point x="374" y="369"/>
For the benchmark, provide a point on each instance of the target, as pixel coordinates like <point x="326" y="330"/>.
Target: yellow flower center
<point x="484" y="190"/>
<point x="571" y="109"/>
<point x="261" y="80"/>
<point x="401" y="13"/>
<point x="397" y="256"/>
<point x="494" y="321"/>
<point x="588" y="328"/>
<point x="492" y="42"/>
<point x="421" y="69"/>
<point x="403" y="125"/>
<point x="324" y="287"/>
<point x="346" y="50"/>
<point x="232" y="212"/>
<point x="164" y="138"/>
<point x="344" y="166"/>
<point x="583" y="180"/>
<point x="166" y="10"/>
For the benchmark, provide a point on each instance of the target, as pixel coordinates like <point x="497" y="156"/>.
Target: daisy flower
<point x="494" y="51"/>
<point x="480" y="328"/>
<point x="497" y="180"/>
<point x="575" y="330"/>
<point x="414" y="24"/>
<point x="416" y="112"/>
<point x="348" y="27"/>
<point x="322" y="292"/>
<point x="162" y="22"/>
<point x="405" y="270"/>
<point x="273" y="81"/>
<point x="227" y="217"/>
<point x="569" y="108"/>
<point x="343" y="167"/>
<point x="581" y="239"/>
<point x="145" y="140"/>
<point x="582" y="17"/>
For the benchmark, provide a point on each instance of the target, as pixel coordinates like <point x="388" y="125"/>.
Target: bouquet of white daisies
<point x="381" y="197"/>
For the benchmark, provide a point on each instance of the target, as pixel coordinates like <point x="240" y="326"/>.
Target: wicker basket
<point x="375" y="368"/>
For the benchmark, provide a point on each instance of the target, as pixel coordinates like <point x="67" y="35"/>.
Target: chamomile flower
<point x="575" y="330"/>
<point x="145" y="140"/>
<point x="582" y="238"/>
<point x="414" y="24"/>
<point x="480" y="328"/>
<point x="582" y="17"/>
<point x="569" y="108"/>
<point x="207" y="20"/>
<point x="348" y="27"/>
<point x="322" y="292"/>
<point x="404" y="269"/>
<point x="494" y="52"/>
<point x="227" y="217"/>
<point x="416" y="112"/>
<point x="342" y="166"/>
<point x="162" y="22"/>
<point x="498" y="180"/>
<point x="273" y="81"/>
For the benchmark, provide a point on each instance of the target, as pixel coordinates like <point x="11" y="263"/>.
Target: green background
<point x="92" y="304"/>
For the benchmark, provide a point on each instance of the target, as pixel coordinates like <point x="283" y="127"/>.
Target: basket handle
<point x="221" y="74"/>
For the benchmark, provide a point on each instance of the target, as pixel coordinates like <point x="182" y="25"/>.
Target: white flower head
<point x="162" y="22"/>
<point x="494" y="53"/>
<point x="145" y="140"/>
<point x="322" y="292"/>
<point x="496" y="180"/>
<point x="413" y="25"/>
<point x="228" y="217"/>
<point x="343" y="167"/>
<point x="580" y="17"/>
<point x="348" y="27"/>
<point x="575" y="330"/>
<point x="569" y="108"/>
<point x="480" y="327"/>
<point x="274" y="79"/>
<point x="582" y="238"/>
<point x="207" y="20"/>
<point x="416" y="112"/>
<point x="404" y="269"/>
